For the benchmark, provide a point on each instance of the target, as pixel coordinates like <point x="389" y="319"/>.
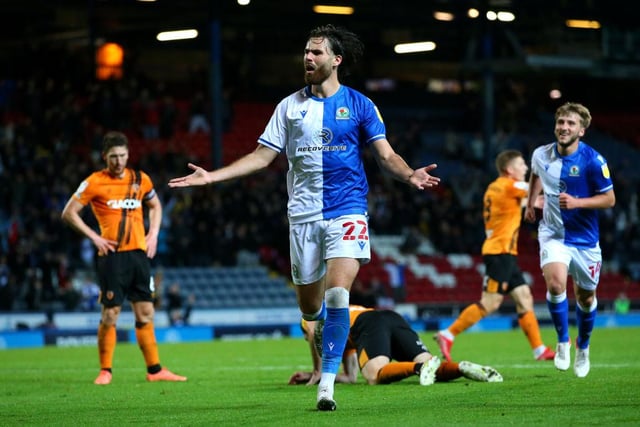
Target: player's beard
<point x="574" y="138"/>
<point x="319" y="75"/>
<point x="117" y="170"/>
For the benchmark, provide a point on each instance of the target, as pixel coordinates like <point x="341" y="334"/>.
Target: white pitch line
<point x="593" y="365"/>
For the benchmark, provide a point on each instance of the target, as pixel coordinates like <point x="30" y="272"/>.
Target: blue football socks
<point x="334" y="338"/>
<point x="585" y="320"/>
<point x="559" y="309"/>
<point x="336" y="329"/>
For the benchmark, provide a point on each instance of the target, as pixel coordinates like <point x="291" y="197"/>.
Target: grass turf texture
<point x="245" y="383"/>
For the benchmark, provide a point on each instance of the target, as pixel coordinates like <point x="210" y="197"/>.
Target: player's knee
<point x="143" y="311"/>
<point x="110" y="315"/>
<point x="556" y="283"/>
<point x="491" y="307"/>
<point x="556" y="288"/>
<point x="337" y="297"/>
<point x="523" y="299"/>
<point x="587" y="301"/>
<point x="370" y="373"/>
<point x="490" y="302"/>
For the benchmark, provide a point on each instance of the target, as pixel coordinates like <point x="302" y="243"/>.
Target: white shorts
<point x="583" y="264"/>
<point x="313" y="243"/>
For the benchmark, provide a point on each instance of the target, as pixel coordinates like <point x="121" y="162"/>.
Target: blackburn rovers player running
<point x="575" y="182"/>
<point x="384" y="347"/>
<point x="323" y="128"/>
<point x="117" y="195"/>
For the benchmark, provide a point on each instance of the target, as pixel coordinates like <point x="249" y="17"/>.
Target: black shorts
<point x="385" y="333"/>
<point x="124" y="275"/>
<point x="502" y="274"/>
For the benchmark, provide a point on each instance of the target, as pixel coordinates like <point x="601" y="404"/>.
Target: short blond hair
<point x="579" y="109"/>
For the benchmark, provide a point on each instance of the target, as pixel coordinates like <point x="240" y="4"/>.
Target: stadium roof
<point x="270" y="34"/>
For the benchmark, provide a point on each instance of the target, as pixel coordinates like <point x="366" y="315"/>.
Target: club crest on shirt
<point x="342" y="113"/>
<point x="574" y="171"/>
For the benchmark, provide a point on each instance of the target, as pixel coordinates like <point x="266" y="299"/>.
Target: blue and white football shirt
<point x="583" y="173"/>
<point x="323" y="139"/>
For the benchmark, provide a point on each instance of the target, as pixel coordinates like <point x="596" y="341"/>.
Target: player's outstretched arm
<point x="394" y="164"/>
<point x="198" y="177"/>
<point x="421" y="179"/>
<point x="255" y="161"/>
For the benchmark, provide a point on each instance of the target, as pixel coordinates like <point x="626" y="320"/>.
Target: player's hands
<point x="299" y="378"/>
<point x="104" y="246"/>
<point x="198" y="177"/>
<point x="315" y="378"/>
<point x="567" y="201"/>
<point x="421" y="178"/>
<point x="307" y="378"/>
<point x="530" y="211"/>
<point x="152" y="245"/>
<point x="529" y="214"/>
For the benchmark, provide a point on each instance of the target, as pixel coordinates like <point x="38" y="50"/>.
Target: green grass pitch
<point x="236" y="383"/>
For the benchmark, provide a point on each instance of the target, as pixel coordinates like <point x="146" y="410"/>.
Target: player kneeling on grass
<point x="386" y="349"/>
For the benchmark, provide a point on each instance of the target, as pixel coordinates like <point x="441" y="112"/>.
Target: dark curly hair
<point x="341" y="42"/>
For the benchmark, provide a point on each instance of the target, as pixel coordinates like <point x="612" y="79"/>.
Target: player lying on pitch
<point x="386" y="349"/>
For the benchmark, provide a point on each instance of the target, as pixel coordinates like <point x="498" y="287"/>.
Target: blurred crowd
<point x="50" y="135"/>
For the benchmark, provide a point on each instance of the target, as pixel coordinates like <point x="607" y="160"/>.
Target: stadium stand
<point x="38" y="132"/>
<point x="232" y="287"/>
<point x="455" y="280"/>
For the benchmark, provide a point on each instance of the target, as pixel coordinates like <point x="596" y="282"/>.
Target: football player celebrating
<point x="323" y="128"/>
<point x="576" y="183"/>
